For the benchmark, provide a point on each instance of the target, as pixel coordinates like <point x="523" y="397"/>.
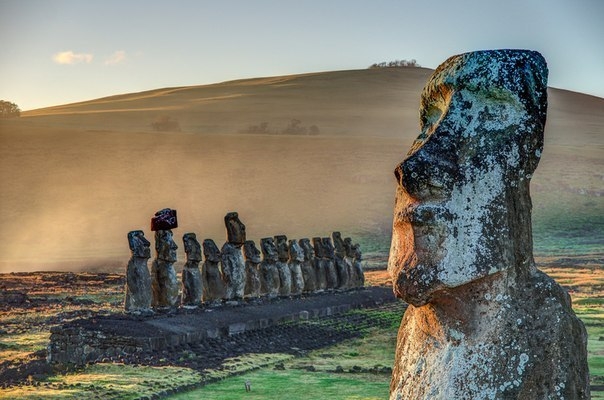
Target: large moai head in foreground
<point x="139" y="245"/>
<point x="235" y="229"/>
<point x="165" y="246"/>
<point x="192" y="247"/>
<point x="463" y="209"/>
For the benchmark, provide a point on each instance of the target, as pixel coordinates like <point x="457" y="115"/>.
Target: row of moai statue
<point x="237" y="270"/>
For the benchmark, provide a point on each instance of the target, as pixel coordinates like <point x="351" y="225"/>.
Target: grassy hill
<point x="76" y="178"/>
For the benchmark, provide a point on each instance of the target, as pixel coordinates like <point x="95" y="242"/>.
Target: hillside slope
<point x="76" y="178"/>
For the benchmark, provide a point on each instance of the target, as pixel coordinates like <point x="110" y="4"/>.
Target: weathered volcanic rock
<point x="138" y="280"/>
<point x="296" y="258"/>
<point x="192" y="284"/>
<point x="252" y="269"/>
<point x="342" y="268"/>
<point x="269" y="273"/>
<point x="233" y="271"/>
<point x="309" y="275"/>
<point x="164" y="281"/>
<point x="357" y="267"/>
<point x="320" y="264"/>
<point x="354" y="278"/>
<point x="235" y="229"/>
<point x="483" y="322"/>
<point x="282" y="247"/>
<point x="213" y="284"/>
<point x="329" y="261"/>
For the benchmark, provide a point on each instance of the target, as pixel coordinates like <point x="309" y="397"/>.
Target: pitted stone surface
<point x="233" y="271"/>
<point x="309" y="274"/>
<point x="138" y="280"/>
<point x="213" y="284"/>
<point x="271" y="282"/>
<point x="235" y="229"/>
<point x="192" y="284"/>
<point x="164" y="281"/>
<point x="252" y="269"/>
<point x="296" y="258"/>
<point x="483" y="322"/>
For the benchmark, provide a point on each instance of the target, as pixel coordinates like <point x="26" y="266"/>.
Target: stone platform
<point x="92" y="339"/>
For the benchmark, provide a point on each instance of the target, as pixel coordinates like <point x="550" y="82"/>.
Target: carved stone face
<point x="251" y="252"/>
<point x="210" y="251"/>
<point x="235" y="229"/>
<point x="462" y="207"/>
<point x="296" y="253"/>
<point x="309" y="252"/>
<point x="282" y="247"/>
<point x="165" y="246"/>
<point x="338" y="242"/>
<point x="139" y="245"/>
<point x="328" y="249"/>
<point x="192" y="247"/>
<point x="269" y="250"/>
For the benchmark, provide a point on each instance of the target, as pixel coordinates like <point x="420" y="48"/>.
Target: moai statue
<point x="285" y="275"/>
<point x="235" y="229"/>
<point x="353" y="277"/>
<point x="320" y="264"/>
<point x="329" y="260"/>
<point x="357" y="265"/>
<point x="340" y="261"/>
<point x="252" y="269"/>
<point x="213" y="284"/>
<point x="296" y="258"/>
<point x="309" y="275"/>
<point x="233" y="271"/>
<point x="268" y="268"/>
<point x="138" y="279"/>
<point x="483" y="321"/>
<point x="192" y="284"/>
<point x="164" y="281"/>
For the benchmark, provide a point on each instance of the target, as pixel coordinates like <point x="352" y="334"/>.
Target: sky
<point x="62" y="51"/>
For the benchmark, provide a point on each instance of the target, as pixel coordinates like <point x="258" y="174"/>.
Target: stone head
<point x="463" y="208"/>
<point x="192" y="247"/>
<point x="210" y="251"/>
<point x="296" y="253"/>
<point x="309" y="252"/>
<point x="282" y="248"/>
<point x="165" y="245"/>
<point x="338" y="242"/>
<point x="328" y="249"/>
<point x="318" y="247"/>
<point x="269" y="250"/>
<point x="139" y="245"/>
<point x="235" y="229"/>
<point x="348" y="247"/>
<point x="356" y="252"/>
<point x="250" y="251"/>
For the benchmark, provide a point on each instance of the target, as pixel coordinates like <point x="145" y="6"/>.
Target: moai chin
<point x="271" y="283"/>
<point x="192" y="283"/>
<point x="235" y="229"/>
<point x="342" y="267"/>
<point x="296" y="258"/>
<point x="138" y="280"/>
<point x="309" y="274"/>
<point x="483" y="322"/>
<point x="285" y="276"/>
<point x="213" y="284"/>
<point x="252" y="269"/>
<point x="164" y="281"/>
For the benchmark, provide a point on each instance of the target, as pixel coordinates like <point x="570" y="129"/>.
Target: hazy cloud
<point x="69" y="57"/>
<point x="116" y="58"/>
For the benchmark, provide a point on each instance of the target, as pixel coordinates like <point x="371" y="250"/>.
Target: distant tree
<point x="9" y="110"/>
<point x="295" y="128"/>
<point x="166" y="124"/>
<point x="395" y="64"/>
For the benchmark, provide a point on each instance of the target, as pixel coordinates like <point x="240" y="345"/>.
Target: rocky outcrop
<point x="164" y="281"/>
<point x="192" y="284"/>
<point x="213" y="284"/>
<point x="138" y="280"/>
<point x="483" y="322"/>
